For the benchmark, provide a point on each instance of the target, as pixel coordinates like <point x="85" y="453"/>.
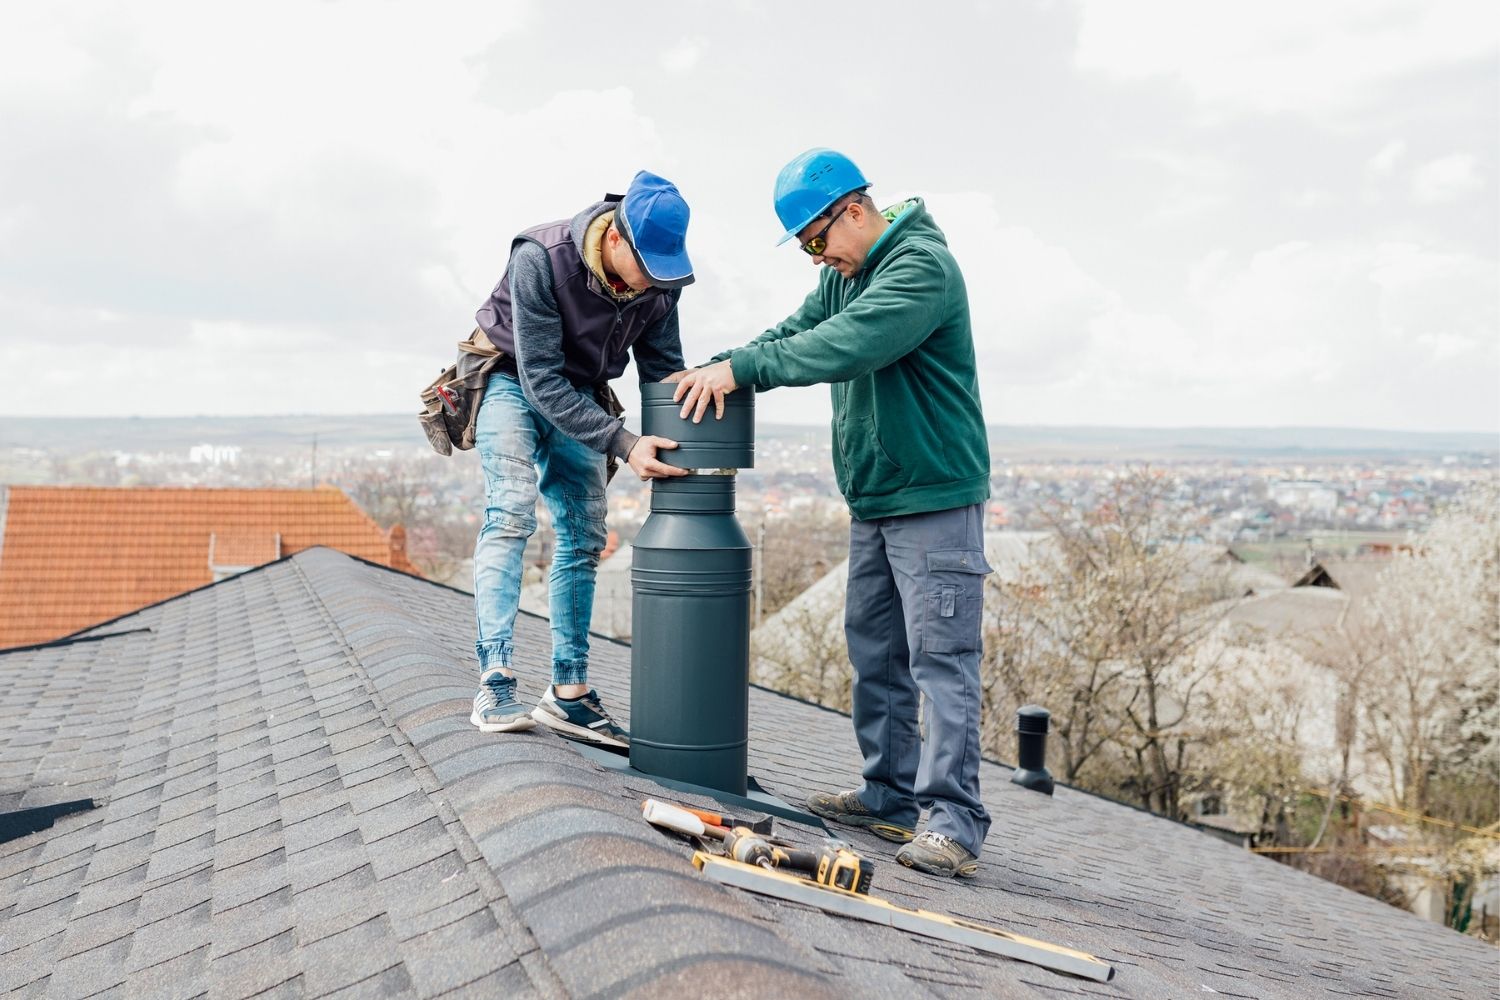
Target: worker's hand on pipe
<point x="642" y="458"/>
<point x="699" y="387"/>
<point x="677" y="376"/>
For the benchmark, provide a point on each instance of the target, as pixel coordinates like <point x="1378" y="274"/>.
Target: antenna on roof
<point x="312" y="476"/>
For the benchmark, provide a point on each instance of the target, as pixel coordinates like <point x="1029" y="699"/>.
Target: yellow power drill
<point x="833" y="864"/>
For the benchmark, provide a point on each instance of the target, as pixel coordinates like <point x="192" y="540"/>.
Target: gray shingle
<point x="455" y="953"/>
<point x="181" y="977"/>
<point x="332" y="907"/>
<point x="355" y="954"/>
<point x="86" y="973"/>
<point x="256" y="967"/>
<point x="23" y="962"/>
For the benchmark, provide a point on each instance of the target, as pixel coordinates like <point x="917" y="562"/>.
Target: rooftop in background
<point x="292" y="799"/>
<point x="74" y="556"/>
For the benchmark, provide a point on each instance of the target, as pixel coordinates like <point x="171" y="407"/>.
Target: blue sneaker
<point x="580" y="719"/>
<point x="495" y="707"/>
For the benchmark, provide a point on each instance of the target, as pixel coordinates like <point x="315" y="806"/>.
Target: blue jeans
<point x="523" y="454"/>
<point x="913" y="621"/>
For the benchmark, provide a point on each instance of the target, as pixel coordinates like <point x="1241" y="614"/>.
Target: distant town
<point x="1267" y="493"/>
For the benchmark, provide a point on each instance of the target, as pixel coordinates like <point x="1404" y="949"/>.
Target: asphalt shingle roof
<point x="295" y="804"/>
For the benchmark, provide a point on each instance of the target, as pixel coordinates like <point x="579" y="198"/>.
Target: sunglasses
<point x="818" y="242"/>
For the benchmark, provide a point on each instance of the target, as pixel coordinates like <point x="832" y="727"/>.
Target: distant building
<point x="71" y="557"/>
<point x="1311" y="496"/>
<point x="214" y="454"/>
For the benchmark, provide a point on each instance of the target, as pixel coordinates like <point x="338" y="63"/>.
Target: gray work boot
<point x="846" y="808"/>
<point x="936" y="854"/>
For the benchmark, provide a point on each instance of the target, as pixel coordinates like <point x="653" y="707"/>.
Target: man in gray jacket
<point x="577" y="299"/>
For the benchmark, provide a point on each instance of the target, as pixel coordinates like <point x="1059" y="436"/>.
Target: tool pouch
<point x="450" y="402"/>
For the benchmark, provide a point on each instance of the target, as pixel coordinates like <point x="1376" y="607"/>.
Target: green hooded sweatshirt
<point x="895" y="344"/>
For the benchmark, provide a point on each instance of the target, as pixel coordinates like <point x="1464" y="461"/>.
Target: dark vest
<point x="597" y="330"/>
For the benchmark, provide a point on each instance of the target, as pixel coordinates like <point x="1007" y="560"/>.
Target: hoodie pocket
<point x="872" y="469"/>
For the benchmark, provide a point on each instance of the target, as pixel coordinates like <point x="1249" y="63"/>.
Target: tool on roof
<point x="994" y="940"/>
<point x="833" y="863"/>
<point x="680" y="819"/>
<point x="764" y="826"/>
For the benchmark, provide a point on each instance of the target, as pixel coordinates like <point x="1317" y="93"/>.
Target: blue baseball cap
<point x="654" y="218"/>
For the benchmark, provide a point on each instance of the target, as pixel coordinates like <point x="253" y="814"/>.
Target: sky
<point x="1168" y="213"/>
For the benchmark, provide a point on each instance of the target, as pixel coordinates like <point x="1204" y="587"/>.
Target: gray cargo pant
<point x="912" y="620"/>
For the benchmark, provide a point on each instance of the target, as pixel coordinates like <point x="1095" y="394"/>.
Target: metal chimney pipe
<point x="1032" y="723"/>
<point x="690" y="602"/>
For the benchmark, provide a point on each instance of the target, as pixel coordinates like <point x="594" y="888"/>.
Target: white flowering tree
<point x="1108" y="629"/>
<point x="1429" y="686"/>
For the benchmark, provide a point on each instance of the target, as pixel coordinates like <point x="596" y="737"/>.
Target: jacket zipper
<point x="615" y="336"/>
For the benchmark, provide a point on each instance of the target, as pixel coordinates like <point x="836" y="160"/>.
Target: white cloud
<point x="1196" y="166"/>
<point x="322" y="175"/>
<point x="1030" y="302"/>
<point x="37" y="55"/>
<point x="211" y="205"/>
<point x="1390" y="335"/>
<point x="218" y="368"/>
<point x="1385" y="335"/>
<point x="1282" y="55"/>
<point x="1449" y="178"/>
<point x="1384" y="161"/>
<point x="683" y="56"/>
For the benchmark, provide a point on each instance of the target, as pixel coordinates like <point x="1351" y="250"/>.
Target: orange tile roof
<point x="73" y="556"/>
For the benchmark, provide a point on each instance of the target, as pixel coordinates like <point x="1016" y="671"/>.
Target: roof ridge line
<point x="79" y="634"/>
<point x="72" y="640"/>
<point x="423" y="688"/>
<point x="533" y="958"/>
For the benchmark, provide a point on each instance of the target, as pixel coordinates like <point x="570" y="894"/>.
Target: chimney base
<point x="755" y="799"/>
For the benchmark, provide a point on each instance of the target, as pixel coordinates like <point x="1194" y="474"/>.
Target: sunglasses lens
<point x="815" y="245"/>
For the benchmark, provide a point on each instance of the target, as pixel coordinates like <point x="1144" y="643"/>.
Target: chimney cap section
<point x="726" y="442"/>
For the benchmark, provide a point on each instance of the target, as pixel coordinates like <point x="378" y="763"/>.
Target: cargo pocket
<point x="954" y="600"/>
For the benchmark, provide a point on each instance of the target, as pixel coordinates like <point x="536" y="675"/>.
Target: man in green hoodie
<point x="888" y="329"/>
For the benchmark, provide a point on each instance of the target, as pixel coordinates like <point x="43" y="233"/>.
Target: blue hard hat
<point x="654" y="218"/>
<point x="809" y="184"/>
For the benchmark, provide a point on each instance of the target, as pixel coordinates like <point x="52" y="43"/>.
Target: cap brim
<point x="665" y="271"/>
